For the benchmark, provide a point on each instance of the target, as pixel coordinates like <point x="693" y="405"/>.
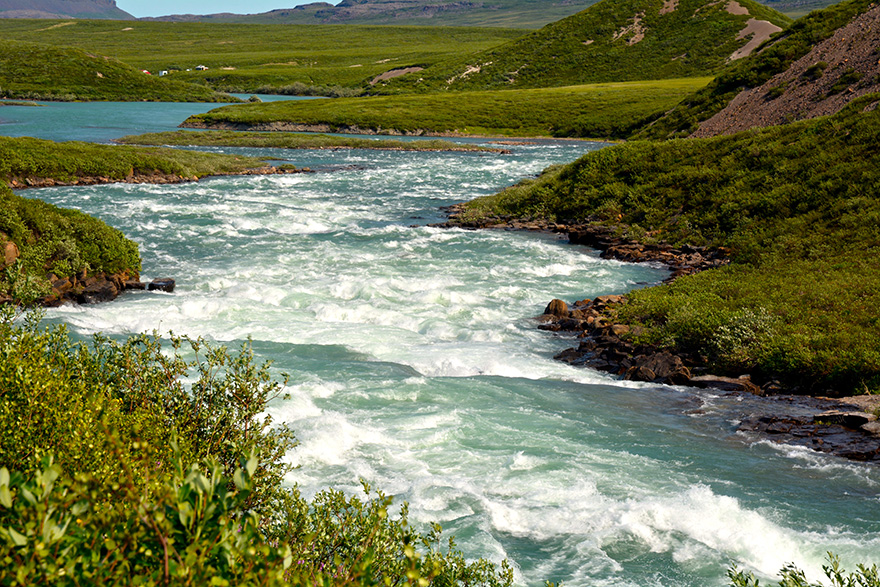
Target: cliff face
<point x="103" y="9"/>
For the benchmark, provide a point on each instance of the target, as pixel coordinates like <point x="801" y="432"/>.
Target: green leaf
<point x="5" y="496"/>
<point x="17" y="539"/>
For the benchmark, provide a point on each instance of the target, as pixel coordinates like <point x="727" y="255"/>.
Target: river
<point x="416" y="366"/>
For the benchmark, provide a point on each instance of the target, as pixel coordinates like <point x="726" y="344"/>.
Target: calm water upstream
<point x="415" y="366"/>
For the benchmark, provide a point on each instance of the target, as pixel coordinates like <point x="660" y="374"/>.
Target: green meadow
<point x="592" y="111"/>
<point x="251" y="57"/>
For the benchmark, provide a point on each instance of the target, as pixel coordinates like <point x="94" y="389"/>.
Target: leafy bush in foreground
<point x="98" y="484"/>
<point x="791" y="576"/>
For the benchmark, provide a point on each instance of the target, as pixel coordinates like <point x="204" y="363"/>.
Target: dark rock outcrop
<point x="165" y="284"/>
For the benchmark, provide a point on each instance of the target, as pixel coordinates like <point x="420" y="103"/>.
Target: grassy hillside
<point x="614" y="40"/>
<point x="250" y="58"/>
<point x="751" y="72"/>
<point x="490" y="13"/>
<point x="799" y="208"/>
<point x="44" y="72"/>
<point x="595" y="111"/>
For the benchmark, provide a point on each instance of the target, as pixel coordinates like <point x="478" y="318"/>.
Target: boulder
<point x="667" y="368"/>
<point x="852" y="420"/>
<point x="165" y="284"/>
<point x="741" y="385"/>
<point x="639" y="373"/>
<point x="557" y="308"/>
<point x="98" y="291"/>
<point x="10" y="253"/>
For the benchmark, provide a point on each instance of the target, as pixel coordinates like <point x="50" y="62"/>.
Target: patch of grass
<point x="611" y="41"/>
<point x="776" y="56"/>
<point x="28" y="158"/>
<point x="594" y="111"/>
<point x="43" y="72"/>
<point x="251" y="57"/>
<point x="282" y="140"/>
<point x="799" y="208"/>
<point x="815" y="71"/>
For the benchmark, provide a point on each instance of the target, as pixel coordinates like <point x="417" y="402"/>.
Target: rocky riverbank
<point x="846" y="427"/>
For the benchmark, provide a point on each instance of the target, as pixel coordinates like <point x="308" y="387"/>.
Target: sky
<point x="141" y="8"/>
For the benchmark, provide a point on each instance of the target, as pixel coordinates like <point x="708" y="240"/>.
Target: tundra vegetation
<point x="271" y="59"/>
<point x="146" y="463"/>
<point x="611" y="41"/>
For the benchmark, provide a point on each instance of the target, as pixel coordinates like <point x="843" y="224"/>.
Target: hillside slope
<point x="43" y="72"/>
<point x="62" y="9"/>
<point x="614" y="40"/>
<point x="818" y="65"/>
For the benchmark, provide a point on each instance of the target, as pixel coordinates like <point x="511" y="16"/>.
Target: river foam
<point x="415" y="365"/>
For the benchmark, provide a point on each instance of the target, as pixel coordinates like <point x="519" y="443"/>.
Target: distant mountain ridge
<point x="480" y="13"/>
<point x="100" y="9"/>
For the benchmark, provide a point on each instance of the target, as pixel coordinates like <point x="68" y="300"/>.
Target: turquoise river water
<point x="415" y="365"/>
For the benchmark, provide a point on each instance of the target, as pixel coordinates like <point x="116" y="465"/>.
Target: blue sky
<point x="163" y="7"/>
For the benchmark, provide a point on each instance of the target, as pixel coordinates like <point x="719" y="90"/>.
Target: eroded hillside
<point x="614" y="40"/>
<point x="837" y="71"/>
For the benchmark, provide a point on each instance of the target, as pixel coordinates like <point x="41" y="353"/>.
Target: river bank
<point x="847" y="427"/>
<point x="156" y="177"/>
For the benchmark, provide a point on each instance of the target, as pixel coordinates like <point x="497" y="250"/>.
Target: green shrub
<point x="791" y="576"/>
<point x="97" y="484"/>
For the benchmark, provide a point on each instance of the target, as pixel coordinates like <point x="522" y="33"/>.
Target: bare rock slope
<point x="835" y="72"/>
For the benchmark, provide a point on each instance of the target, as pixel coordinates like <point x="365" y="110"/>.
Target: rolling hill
<point x="824" y="61"/>
<point x="614" y="40"/>
<point x="62" y="9"/>
<point x="43" y="72"/>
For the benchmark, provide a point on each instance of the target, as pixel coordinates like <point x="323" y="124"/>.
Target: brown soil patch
<point x="734" y="7"/>
<point x="760" y="31"/>
<point x="669" y="6"/>
<point x="633" y="32"/>
<point x="394" y="73"/>
<point x="798" y="94"/>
